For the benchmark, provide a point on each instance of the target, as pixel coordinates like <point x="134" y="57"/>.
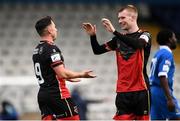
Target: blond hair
<point x="130" y="8"/>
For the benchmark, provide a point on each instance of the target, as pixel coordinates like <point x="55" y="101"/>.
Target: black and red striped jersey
<point x="132" y="53"/>
<point x="131" y="62"/>
<point x="45" y="57"/>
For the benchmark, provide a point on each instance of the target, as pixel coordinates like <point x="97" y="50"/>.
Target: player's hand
<point x="89" y="28"/>
<point x="88" y="74"/>
<point x="170" y="105"/>
<point x="108" y="25"/>
<point x="74" y="80"/>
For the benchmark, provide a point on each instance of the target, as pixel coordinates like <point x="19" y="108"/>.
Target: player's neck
<point x="47" y="38"/>
<point x="134" y="29"/>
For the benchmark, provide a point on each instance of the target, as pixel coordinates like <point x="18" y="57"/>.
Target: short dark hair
<point x="163" y="37"/>
<point x="42" y="24"/>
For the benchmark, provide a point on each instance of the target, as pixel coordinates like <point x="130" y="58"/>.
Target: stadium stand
<point x="18" y="38"/>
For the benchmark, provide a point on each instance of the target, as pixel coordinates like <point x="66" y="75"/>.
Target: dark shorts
<point x="50" y="103"/>
<point x="137" y="103"/>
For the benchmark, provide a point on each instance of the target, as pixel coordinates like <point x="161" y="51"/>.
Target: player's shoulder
<point x="50" y="46"/>
<point x="45" y="48"/>
<point x="144" y="32"/>
<point x="163" y="53"/>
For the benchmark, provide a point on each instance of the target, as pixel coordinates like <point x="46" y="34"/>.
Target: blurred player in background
<point x="54" y="98"/>
<point x="164" y="104"/>
<point x="8" y="111"/>
<point x="83" y="103"/>
<point x="132" y="52"/>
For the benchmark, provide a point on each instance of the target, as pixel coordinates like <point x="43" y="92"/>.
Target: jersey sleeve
<point x="112" y="44"/>
<point x="139" y="43"/>
<point x="164" y="65"/>
<point x="54" y="56"/>
<point x="100" y="49"/>
<point x="145" y="36"/>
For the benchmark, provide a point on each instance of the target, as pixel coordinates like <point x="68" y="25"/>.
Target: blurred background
<point x="18" y="38"/>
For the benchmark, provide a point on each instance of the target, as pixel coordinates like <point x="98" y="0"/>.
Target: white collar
<point x="165" y="47"/>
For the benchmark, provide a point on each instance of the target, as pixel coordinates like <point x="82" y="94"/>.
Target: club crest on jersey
<point x="40" y="50"/>
<point x="54" y="50"/>
<point x="165" y="68"/>
<point x="168" y="62"/>
<point x="55" y="57"/>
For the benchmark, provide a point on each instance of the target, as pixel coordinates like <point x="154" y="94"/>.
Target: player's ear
<point x="49" y="29"/>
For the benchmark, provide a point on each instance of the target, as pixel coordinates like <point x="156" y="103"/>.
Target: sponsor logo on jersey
<point x="76" y="109"/>
<point x="55" y="57"/>
<point x="54" y="50"/>
<point x="145" y="112"/>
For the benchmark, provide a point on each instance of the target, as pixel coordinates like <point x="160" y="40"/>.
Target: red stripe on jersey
<point x="54" y="64"/>
<point x="64" y="92"/>
<point x="130" y="72"/>
<point x="142" y="55"/>
<point x="124" y="117"/>
<point x="48" y="118"/>
<point x="144" y="117"/>
<point x="131" y="117"/>
<point x="76" y="117"/>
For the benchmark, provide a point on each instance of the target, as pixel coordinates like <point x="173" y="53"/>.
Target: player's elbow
<point x="139" y="46"/>
<point x="97" y="53"/>
<point x="62" y="76"/>
<point x="61" y="72"/>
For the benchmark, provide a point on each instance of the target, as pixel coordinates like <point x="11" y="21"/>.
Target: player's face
<point x="125" y="19"/>
<point x="53" y="30"/>
<point x="173" y="42"/>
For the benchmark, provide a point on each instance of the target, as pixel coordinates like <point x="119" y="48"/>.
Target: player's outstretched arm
<point x="91" y="31"/>
<point x="68" y="74"/>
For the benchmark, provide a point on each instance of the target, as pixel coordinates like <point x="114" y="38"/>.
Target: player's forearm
<point x="64" y="73"/>
<point x="73" y="80"/>
<point x="97" y="49"/>
<point x="165" y="86"/>
<point x="68" y="74"/>
<point x="135" y="43"/>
